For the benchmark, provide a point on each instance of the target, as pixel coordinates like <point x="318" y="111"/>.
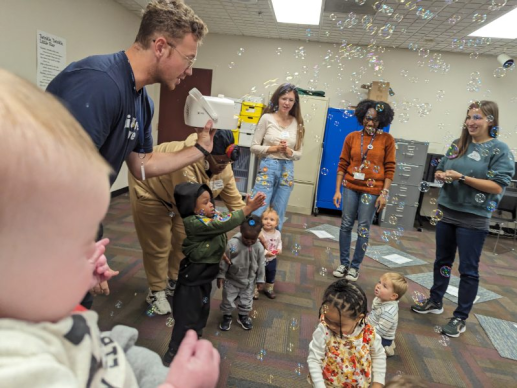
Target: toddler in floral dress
<point x="345" y="351"/>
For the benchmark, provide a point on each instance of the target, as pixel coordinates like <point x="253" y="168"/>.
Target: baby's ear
<point x="394" y="296"/>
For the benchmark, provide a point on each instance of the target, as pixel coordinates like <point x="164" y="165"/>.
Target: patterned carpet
<point x="468" y="361"/>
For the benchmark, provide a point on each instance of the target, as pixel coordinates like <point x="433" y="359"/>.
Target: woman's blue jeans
<point x="469" y="243"/>
<point x="275" y="178"/>
<point x="354" y="208"/>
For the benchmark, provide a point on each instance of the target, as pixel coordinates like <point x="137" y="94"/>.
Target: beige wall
<point x="260" y="63"/>
<point x="89" y="27"/>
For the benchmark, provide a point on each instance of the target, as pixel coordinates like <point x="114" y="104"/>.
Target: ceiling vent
<point x="340" y="6"/>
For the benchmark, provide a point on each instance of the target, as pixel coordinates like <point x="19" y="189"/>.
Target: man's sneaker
<point x="171" y="286"/>
<point x="168" y="357"/>
<point x="226" y="323"/>
<point x="158" y="301"/>
<point x="352" y="275"/>
<point x="429" y="307"/>
<point x="245" y="322"/>
<point x="455" y="327"/>
<point x="340" y="271"/>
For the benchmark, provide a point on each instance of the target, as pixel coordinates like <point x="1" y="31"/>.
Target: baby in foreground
<point x="55" y="194"/>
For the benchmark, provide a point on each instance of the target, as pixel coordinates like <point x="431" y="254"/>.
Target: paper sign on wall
<point x="51" y="57"/>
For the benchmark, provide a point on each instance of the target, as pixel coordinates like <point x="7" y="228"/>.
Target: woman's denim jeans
<point x="275" y="178"/>
<point x="469" y="243"/>
<point x="354" y="208"/>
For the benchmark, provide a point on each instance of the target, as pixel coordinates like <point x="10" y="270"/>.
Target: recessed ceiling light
<point x="503" y="28"/>
<point x="297" y="11"/>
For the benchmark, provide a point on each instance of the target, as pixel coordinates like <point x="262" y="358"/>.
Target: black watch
<point x="462" y="178"/>
<point x="203" y="151"/>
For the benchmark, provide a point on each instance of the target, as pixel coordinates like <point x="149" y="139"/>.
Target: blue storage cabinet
<point x="338" y="126"/>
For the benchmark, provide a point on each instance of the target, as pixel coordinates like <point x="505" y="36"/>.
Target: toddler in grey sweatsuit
<point x="238" y="279"/>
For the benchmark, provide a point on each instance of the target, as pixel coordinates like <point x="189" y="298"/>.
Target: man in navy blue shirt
<point x="107" y="95"/>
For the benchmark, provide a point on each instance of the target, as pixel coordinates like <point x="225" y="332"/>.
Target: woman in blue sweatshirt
<point x="475" y="171"/>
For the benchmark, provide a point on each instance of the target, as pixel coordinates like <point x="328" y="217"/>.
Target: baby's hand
<point x="102" y="272"/>
<point x="196" y="364"/>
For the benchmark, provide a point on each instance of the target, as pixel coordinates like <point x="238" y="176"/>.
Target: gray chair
<point x="507" y="204"/>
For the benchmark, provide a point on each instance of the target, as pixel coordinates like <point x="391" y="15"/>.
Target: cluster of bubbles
<point x="323" y="271"/>
<point x="299" y="369"/>
<point x="169" y="322"/>
<point x="254" y="314"/>
<point x="118" y="304"/>
<point x="293" y="324"/>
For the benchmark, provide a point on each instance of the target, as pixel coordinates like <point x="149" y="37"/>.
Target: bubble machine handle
<point x="196" y="95"/>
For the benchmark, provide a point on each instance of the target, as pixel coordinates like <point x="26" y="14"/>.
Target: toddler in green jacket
<point x="203" y="249"/>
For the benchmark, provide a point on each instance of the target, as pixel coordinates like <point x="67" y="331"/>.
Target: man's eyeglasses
<point x="189" y="60"/>
<point x="370" y="118"/>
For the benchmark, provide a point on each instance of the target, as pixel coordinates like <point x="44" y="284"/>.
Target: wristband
<point x="203" y="151"/>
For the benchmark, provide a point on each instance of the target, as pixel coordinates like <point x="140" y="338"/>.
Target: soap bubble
<point x="445" y="271"/>
<point x="231" y="65"/>
<point x="393" y="220"/>
<point x="365" y="246"/>
<point x="366" y="199"/>
<point x="240" y="52"/>
<point x="205" y="300"/>
<point x="254" y="314"/>
<point x="293" y="324"/>
<point x="299" y="369"/>
<point x="424" y="187"/>
<point x="499" y="72"/>
<point x="363" y="232"/>
<point x="447" y="180"/>
<point x="324" y="171"/>
<point x="169" y="322"/>
<point x="435" y="162"/>
<point x="437" y="214"/>
<point x="474" y="55"/>
<point x="386" y="236"/>
<point x="150" y="311"/>
<point x="261" y="354"/>
<point x="479" y="18"/>
<point x="440" y="95"/>
<point x="379" y="107"/>
<point x="118" y="304"/>
<point x="290" y="347"/>
<point x="492" y="205"/>
<point x="438" y="329"/>
<point x="454" y="19"/>
<point x="494" y="131"/>
<point x="333" y="16"/>
<point x="398" y="17"/>
<point x="404" y="73"/>
<point x="296" y="249"/>
<point x="360" y="2"/>
<point x="376" y="169"/>
<point x="452" y="151"/>
<point x="370" y="182"/>
<point x="432" y="201"/>
<point x="279" y="51"/>
<point x="323" y="271"/>
<point x="112" y="314"/>
<point x="490" y="173"/>
<point x="433" y="221"/>
<point x="444" y="341"/>
<point x="480" y="197"/>
<point x="419" y="298"/>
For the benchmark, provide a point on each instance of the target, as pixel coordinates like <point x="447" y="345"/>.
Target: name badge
<point x="217" y="184"/>
<point x="359" y="176"/>
<point x="474" y="155"/>
<point x="284" y="135"/>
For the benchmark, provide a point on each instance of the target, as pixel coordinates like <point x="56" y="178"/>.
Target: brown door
<point x="171" y="126"/>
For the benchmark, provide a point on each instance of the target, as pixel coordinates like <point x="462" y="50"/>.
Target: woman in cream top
<point x="278" y="142"/>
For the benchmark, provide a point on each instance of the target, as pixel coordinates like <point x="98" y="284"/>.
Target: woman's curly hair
<point x="384" y="112"/>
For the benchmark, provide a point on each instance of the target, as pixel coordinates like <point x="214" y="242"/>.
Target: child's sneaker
<point x="158" y="301"/>
<point x="340" y="272"/>
<point x="455" y="327"/>
<point x="429" y="307"/>
<point x="226" y="323"/>
<point x="390" y="350"/>
<point x="245" y="322"/>
<point x="352" y="275"/>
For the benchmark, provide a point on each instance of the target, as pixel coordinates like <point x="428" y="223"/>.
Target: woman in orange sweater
<point x="365" y="170"/>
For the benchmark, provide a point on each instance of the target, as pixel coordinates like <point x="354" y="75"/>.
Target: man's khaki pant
<point x="160" y="237"/>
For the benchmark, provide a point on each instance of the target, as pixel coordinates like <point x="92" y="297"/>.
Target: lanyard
<point x="138" y="113"/>
<point x="363" y="156"/>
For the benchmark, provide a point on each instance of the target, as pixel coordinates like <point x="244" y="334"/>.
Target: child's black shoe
<point x="245" y="322"/>
<point x="168" y="357"/>
<point x="226" y="323"/>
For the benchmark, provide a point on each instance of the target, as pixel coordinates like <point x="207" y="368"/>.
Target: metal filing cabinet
<point x="411" y="159"/>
